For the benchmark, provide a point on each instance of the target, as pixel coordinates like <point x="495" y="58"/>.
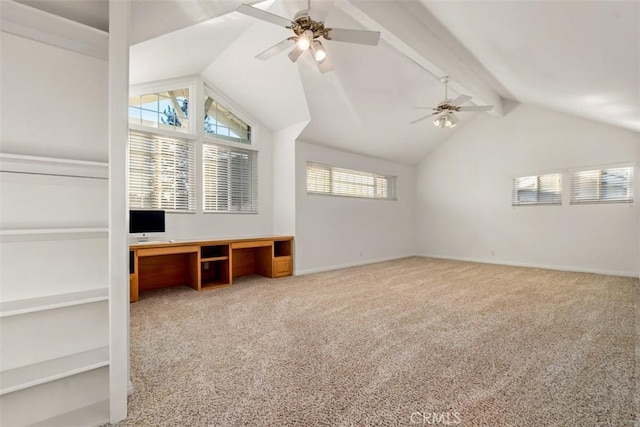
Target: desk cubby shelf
<point x="214" y="266"/>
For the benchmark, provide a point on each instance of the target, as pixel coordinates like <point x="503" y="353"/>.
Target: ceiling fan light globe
<point x="451" y="121"/>
<point x="305" y="40"/>
<point x="303" y="43"/>
<point x="318" y="51"/>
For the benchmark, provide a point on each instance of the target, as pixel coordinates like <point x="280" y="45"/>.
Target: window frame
<point x="208" y="91"/>
<point x="191" y="171"/>
<point x="556" y="201"/>
<point x="573" y="200"/>
<point x="254" y="185"/>
<point x="390" y="178"/>
<point x="174" y="84"/>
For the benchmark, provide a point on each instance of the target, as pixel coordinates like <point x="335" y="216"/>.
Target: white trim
<point x="219" y="96"/>
<point x="34" y="24"/>
<point x="118" y="118"/>
<point x="348" y="265"/>
<point x="45" y="231"/>
<point x="163" y="132"/>
<point x="52" y="166"/>
<point x="534" y="265"/>
<point x="209" y="138"/>
<point x="165" y="85"/>
<point x="603" y="166"/>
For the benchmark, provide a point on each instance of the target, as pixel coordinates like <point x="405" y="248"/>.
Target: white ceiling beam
<point x="411" y="29"/>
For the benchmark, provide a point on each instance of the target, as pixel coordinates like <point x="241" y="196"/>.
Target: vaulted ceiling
<point x="580" y="57"/>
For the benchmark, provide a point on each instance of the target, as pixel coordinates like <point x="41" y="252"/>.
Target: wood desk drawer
<point x="256" y="244"/>
<point x="282" y="266"/>
<point x="168" y="250"/>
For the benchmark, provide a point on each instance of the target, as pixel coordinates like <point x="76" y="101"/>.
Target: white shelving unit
<point x="45" y="285"/>
<point x="55" y="354"/>
<point x="41" y="260"/>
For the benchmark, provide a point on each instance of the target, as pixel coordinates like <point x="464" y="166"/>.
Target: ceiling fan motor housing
<point x="302" y="22"/>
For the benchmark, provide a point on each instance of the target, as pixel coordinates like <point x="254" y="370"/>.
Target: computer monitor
<point x="146" y="222"/>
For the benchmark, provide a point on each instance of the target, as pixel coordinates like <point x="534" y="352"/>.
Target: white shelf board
<point x="53" y="166"/>
<point x="51" y="370"/>
<point x="92" y="415"/>
<point x="44" y="231"/>
<point x="50" y="302"/>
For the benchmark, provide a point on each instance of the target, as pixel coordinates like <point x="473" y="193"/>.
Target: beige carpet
<point x="416" y="341"/>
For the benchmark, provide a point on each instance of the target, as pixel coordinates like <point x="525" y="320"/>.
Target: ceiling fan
<point x="306" y="35"/>
<point x="444" y="111"/>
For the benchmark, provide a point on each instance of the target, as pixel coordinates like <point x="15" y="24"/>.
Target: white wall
<point x="463" y="194"/>
<point x="40" y="118"/>
<point x="284" y="179"/>
<point x="334" y="232"/>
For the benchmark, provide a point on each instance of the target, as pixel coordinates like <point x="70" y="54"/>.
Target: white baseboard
<point x="533" y="265"/>
<point x="347" y="265"/>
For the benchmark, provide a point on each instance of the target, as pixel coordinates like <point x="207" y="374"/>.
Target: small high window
<point x="537" y="190"/>
<point x="602" y="185"/>
<point x="323" y="179"/>
<point x="221" y="123"/>
<point x="168" y="110"/>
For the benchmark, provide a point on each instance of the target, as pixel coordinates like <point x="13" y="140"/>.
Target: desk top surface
<point x="208" y="241"/>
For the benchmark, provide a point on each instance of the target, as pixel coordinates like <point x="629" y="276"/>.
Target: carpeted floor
<point x="416" y="341"/>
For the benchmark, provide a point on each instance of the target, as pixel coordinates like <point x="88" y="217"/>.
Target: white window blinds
<point x="537" y="190"/>
<point x="323" y="179"/>
<point x="602" y="185"/>
<point x="161" y="172"/>
<point x="230" y="179"/>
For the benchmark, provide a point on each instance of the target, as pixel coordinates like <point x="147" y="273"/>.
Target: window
<point x="323" y="179"/>
<point x="167" y="110"/>
<point x="537" y="190"/>
<point x="602" y="185"/>
<point x="161" y="172"/>
<point x="221" y="123"/>
<point x="230" y="179"/>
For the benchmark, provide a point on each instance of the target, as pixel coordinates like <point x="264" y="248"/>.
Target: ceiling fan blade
<point x="423" y="118"/>
<point x="265" y="16"/>
<point x="295" y="54"/>
<point x="460" y="100"/>
<point x="274" y="50"/>
<point x="324" y="66"/>
<point x="370" y="38"/>
<point x="476" y="108"/>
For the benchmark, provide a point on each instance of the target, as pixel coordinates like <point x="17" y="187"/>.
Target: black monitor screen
<point x="146" y="221"/>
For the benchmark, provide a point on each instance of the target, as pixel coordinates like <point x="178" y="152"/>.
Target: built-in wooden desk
<point x="207" y="264"/>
